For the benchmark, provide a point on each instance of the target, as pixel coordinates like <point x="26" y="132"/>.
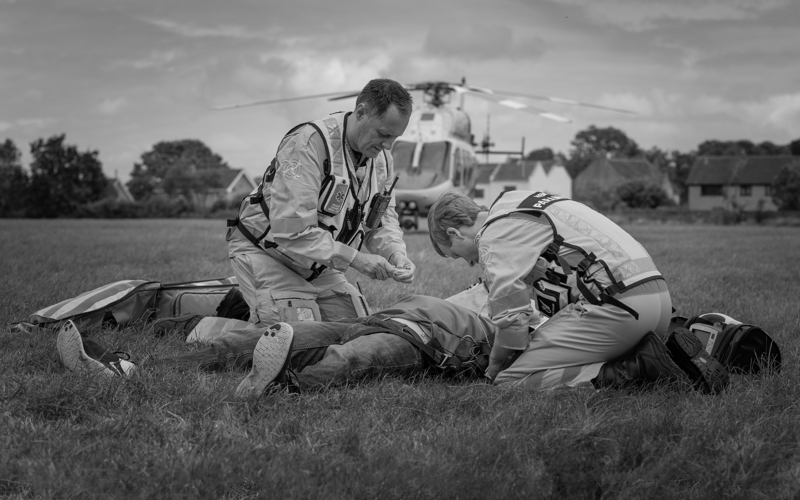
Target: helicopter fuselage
<point x="434" y="155"/>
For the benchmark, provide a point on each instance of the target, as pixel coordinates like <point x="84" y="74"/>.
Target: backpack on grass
<point x="740" y="347"/>
<point x="129" y="302"/>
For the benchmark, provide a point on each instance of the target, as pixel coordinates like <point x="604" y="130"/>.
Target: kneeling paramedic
<point x="605" y="299"/>
<point x="327" y="191"/>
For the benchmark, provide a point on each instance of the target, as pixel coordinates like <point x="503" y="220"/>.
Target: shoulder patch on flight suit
<point x="485" y="253"/>
<point x="289" y="169"/>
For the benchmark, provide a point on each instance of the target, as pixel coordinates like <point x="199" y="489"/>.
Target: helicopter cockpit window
<point x="403" y="155"/>
<point x="434" y="157"/>
<point x="433" y="166"/>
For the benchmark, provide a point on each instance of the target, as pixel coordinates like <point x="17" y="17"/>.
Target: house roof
<point x="117" y="190"/>
<point x="632" y="168"/>
<point x="485" y="171"/>
<point x="738" y="169"/>
<point x="521" y="170"/>
<point x="228" y="176"/>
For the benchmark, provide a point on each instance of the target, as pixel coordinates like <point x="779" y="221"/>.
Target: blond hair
<point x="451" y="210"/>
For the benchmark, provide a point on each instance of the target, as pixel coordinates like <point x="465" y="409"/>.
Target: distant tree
<point x="176" y="167"/>
<point x="659" y="158"/>
<point x="13" y="181"/>
<point x="62" y="178"/>
<point x="768" y="148"/>
<point x="542" y="154"/>
<point x="786" y="188"/>
<point x="720" y="148"/>
<point x="741" y="148"/>
<point x="794" y="147"/>
<point x="639" y="194"/>
<point x="594" y="141"/>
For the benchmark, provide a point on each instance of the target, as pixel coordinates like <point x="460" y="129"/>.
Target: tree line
<point x="63" y="181"/>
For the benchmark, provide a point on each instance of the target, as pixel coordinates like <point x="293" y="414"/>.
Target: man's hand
<point x="405" y="269"/>
<point x="497" y="359"/>
<point x="373" y="266"/>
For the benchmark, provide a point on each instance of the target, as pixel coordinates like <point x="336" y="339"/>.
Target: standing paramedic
<point x="326" y="192"/>
<point x="600" y="288"/>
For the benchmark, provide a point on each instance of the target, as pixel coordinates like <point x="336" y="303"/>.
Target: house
<point x="236" y="184"/>
<point x="116" y="190"/>
<point x="526" y="175"/>
<point x="743" y="181"/>
<point x="604" y="175"/>
<point x="482" y="181"/>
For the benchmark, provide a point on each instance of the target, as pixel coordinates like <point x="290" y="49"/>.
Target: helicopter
<point x="437" y="152"/>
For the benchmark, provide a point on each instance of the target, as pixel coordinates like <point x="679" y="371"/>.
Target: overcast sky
<point x="118" y="76"/>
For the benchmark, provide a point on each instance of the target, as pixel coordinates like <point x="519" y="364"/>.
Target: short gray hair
<point x="381" y="93"/>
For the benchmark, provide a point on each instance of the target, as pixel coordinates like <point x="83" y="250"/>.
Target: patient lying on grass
<point x="418" y="335"/>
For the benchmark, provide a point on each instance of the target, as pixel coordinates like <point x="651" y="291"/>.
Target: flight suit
<point x="614" y="293"/>
<point x="294" y="271"/>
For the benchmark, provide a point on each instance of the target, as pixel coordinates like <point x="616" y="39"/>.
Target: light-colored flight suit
<point x="569" y="348"/>
<point x="276" y="278"/>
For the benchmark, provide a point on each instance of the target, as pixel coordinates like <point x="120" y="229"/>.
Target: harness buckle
<point x="256" y="198"/>
<point x="443" y="365"/>
<point x="584" y="265"/>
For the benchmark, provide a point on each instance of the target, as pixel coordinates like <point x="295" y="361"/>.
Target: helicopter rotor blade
<point x="509" y="103"/>
<point x="346" y="96"/>
<point x="337" y="95"/>
<point x="558" y="100"/>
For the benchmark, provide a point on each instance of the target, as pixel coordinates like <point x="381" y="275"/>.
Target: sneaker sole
<point x="269" y="358"/>
<point x="707" y="373"/>
<point x="70" y="349"/>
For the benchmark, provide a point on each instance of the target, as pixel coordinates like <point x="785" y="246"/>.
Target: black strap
<point x="436" y="358"/>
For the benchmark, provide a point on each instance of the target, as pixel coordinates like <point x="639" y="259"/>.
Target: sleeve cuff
<point x="343" y="256"/>
<point x="513" y="337"/>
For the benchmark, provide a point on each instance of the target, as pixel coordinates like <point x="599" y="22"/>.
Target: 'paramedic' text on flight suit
<point x="583" y="335"/>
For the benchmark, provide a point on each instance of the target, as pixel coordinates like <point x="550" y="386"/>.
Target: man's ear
<point x="453" y="232"/>
<point x="360" y="111"/>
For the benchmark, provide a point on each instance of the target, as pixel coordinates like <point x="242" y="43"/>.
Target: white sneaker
<point x="73" y="355"/>
<point x="270" y="358"/>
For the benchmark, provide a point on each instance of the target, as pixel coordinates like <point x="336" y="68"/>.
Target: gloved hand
<point x="374" y="266"/>
<point x="404" y="268"/>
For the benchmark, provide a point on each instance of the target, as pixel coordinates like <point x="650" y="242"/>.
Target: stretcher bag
<point x="194" y="297"/>
<point x="129" y="302"/>
<point x="740" y="347"/>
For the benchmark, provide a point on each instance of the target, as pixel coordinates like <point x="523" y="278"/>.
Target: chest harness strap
<point x="353" y="217"/>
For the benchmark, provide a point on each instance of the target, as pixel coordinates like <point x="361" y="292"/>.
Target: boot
<point x="647" y="363"/>
<point x="708" y="375"/>
<point x="233" y="306"/>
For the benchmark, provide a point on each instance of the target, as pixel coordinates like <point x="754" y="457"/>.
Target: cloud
<point x="35" y="123"/>
<point x="4" y="126"/>
<point x="481" y="42"/>
<point x="112" y="106"/>
<point x="157" y="58"/>
<point x="223" y="31"/>
<point x="638" y="15"/>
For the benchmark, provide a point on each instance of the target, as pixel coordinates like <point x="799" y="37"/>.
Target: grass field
<point x="180" y="434"/>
